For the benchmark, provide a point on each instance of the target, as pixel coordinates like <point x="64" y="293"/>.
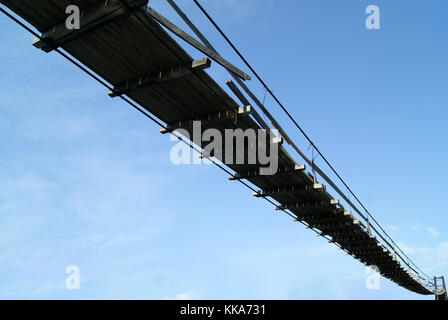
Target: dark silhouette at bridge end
<point x="440" y="288"/>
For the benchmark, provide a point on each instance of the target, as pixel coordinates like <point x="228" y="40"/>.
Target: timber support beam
<point x="289" y="190"/>
<point x="261" y="172"/>
<point x="153" y="14"/>
<point x="307" y="205"/>
<point x="164" y="75"/>
<point x="228" y="114"/>
<point x="90" y="19"/>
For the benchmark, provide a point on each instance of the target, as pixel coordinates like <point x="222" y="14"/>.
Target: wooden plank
<point x="257" y="173"/>
<point x="92" y="18"/>
<point x="244" y="100"/>
<point x="237" y="92"/>
<point x="151" y="13"/>
<point x="164" y="75"/>
<point x="305" y="204"/>
<point x="289" y="190"/>
<point x="220" y="116"/>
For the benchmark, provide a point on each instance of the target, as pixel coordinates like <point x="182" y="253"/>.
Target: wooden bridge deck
<point x="127" y="45"/>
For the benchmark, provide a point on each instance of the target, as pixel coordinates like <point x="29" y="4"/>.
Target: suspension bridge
<point x="136" y="54"/>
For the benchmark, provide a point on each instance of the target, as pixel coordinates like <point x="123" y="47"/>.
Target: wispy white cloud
<point x="417" y="227"/>
<point x="186" y="296"/>
<point x="431" y="258"/>
<point x="393" y="228"/>
<point x="432" y="231"/>
<point x="240" y="9"/>
<point x="81" y="209"/>
<point x="60" y="127"/>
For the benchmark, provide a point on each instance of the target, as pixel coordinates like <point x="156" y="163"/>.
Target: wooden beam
<point x="346" y="233"/>
<point x="258" y="173"/>
<point x="228" y="114"/>
<point x="289" y="190"/>
<point x="305" y="205"/>
<point x="355" y="238"/>
<point x="244" y="101"/>
<point x="328" y="225"/>
<point x="362" y="246"/>
<point x="164" y="75"/>
<point x="315" y="218"/>
<point x="237" y="92"/>
<point x="153" y="14"/>
<point x="90" y="19"/>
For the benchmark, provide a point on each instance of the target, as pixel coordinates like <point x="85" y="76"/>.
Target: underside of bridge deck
<point x="125" y="46"/>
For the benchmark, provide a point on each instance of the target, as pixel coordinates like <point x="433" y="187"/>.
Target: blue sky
<point x="87" y="181"/>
